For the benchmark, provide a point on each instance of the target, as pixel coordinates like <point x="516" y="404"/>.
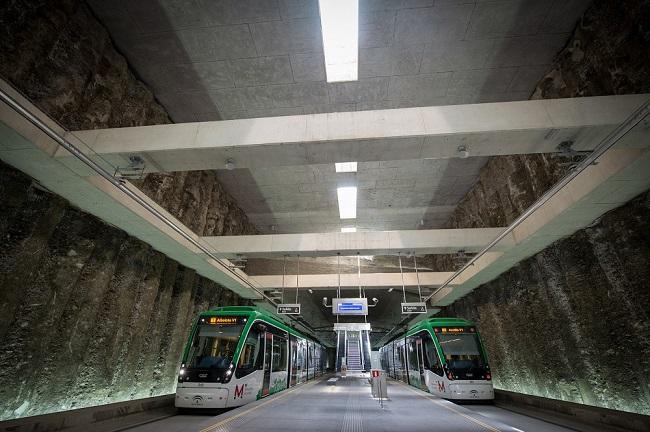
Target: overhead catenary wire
<point x="605" y="144"/>
<point x="121" y="186"/>
<point x="608" y="142"/>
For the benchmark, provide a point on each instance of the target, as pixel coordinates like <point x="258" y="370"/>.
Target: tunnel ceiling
<point x="208" y="60"/>
<point x="244" y="59"/>
<point x="237" y="59"/>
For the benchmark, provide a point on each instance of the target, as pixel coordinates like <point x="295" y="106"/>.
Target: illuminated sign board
<point x="289" y="309"/>
<point x="222" y="320"/>
<point x="452" y="330"/>
<point x="350" y="306"/>
<point x="410" y="308"/>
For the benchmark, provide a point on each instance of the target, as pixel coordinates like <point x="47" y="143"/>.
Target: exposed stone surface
<point x="571" y="322"/>
<point x="606" y="55"/>
<point x="199" y="201"/>
<point x="89" y="315"/>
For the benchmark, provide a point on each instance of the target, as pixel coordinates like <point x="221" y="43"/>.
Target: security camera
<point x="324" y="301"/>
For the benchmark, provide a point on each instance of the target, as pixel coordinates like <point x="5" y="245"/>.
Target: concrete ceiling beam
<point x="30" y="150"/>
<point x="435" y="132"/>
<point x="352" y="280"/>
<point x="434" y="241"/>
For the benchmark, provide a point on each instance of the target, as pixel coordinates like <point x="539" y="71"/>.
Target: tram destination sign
<point x="414" y="308"/>
<point x="289" y="309"/>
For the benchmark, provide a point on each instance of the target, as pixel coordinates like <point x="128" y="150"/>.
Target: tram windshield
<point x="214" y="346"/>
<point x="461" y="350"/>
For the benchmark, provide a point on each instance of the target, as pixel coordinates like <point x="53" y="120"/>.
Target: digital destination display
<point x="454" y="330"/>
<point x="221" y="320"/>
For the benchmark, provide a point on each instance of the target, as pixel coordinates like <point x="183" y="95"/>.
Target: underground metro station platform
<point x="324" y="215"/>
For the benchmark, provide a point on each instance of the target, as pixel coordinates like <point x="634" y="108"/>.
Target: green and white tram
<point x="444" y="356"/>
<point x="239" y="354"/>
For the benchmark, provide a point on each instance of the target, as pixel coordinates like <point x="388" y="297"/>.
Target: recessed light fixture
<point x="348" y="229"/>
<point x="339" y="21"/>
<point x="345" y="167"/>
<point x="347" y="197"/>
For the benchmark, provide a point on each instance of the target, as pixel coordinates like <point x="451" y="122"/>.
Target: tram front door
<point x="420" y="351"/>
<point x="266" y="380"/>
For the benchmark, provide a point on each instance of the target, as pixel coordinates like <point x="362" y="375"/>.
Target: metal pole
<point x="417" y="276"/>
<point x="359" y="272"/>
<point x="338" y="270"/>
<point x="607" y="143"/>
<point x="399" y="256"/>
<point x="284" y="271"/>
<point x="297" y="276"/>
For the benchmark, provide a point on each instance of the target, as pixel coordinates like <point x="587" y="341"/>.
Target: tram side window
<point x="412" y="354"/>
<point x="431" y="360"/>
<point x="250" y="358"/>
<point x="279" y="354"/>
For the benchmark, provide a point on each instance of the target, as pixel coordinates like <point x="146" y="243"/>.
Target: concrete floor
<point x="348" y="407"/>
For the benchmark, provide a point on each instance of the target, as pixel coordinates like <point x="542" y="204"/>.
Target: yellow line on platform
<point x="229" y="419"/>
<point x="433" y="401"/>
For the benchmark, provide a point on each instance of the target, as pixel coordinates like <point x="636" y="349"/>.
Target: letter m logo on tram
<point x="239" y="391"/>
<point x="441" y="386"/>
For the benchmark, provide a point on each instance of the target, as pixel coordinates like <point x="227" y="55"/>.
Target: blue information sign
<point x="350" y="306"/>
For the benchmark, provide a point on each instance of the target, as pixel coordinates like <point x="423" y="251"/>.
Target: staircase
<point x="353" y="358"/>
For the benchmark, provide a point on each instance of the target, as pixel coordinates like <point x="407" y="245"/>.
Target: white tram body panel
<point x="269" y="360"/>
<point x="444" y="357"/>
<point x="461" y="390"/>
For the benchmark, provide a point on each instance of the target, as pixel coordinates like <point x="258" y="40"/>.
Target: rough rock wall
<point x="89" y="315"/>
<point x="572" y="321"/>
<point x="198" y="200"/>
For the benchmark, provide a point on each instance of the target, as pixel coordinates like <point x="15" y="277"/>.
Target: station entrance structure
<point x="352" y="347"/>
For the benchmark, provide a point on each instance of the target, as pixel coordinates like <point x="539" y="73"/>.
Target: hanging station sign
<point x="350" y="306"/>
<point x="289" y="309"/>
<point x="414" y="308"/>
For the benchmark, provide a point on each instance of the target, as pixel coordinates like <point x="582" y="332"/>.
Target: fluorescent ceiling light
<point x="349" y="229"/>
<point x="347" y="202"/>
<point x="339" y="21"/>
<point x="346" y="166"/>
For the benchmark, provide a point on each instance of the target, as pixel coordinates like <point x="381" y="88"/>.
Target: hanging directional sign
<point x="289" y="309"/>
<point x="410" y="308"/>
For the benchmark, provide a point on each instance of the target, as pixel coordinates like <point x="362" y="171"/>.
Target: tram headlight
<point x="181" y="372"/>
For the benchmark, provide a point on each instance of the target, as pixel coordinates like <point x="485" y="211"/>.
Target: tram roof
<point x="255" y="312"/>
<point x="433" y="322"/>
